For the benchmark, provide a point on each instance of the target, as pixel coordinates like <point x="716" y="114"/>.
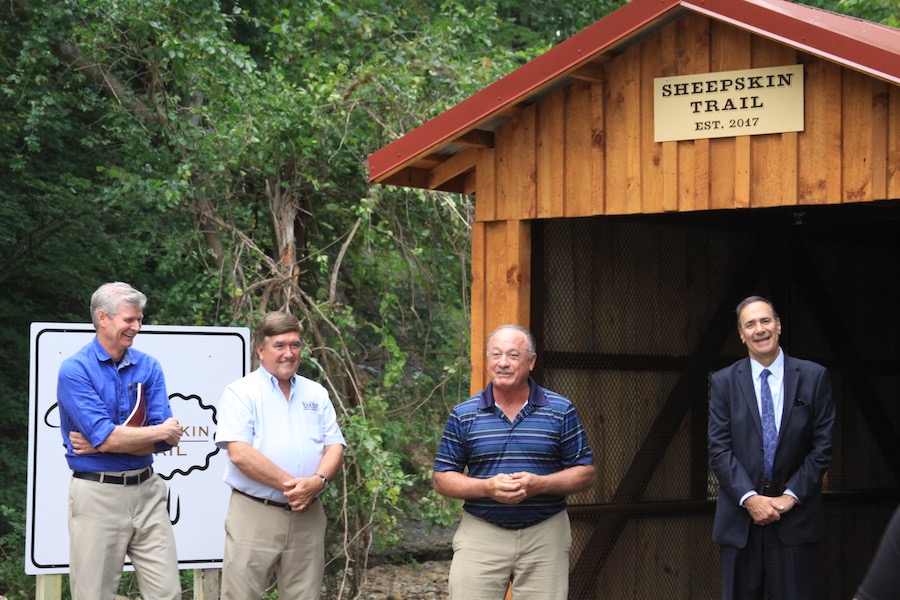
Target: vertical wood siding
<point x="501" y="288"/>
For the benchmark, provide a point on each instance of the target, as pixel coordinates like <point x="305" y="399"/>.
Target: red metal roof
<point x="861" y="45"/>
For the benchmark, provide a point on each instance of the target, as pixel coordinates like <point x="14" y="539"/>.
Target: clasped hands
<point x="512" y="488"/>
<point x="301" y="492"/>
<point x="765" y="510"/>
<point x="171" y="430"/>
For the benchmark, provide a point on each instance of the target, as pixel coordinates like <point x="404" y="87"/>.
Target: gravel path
<point x="417" y="581"/>
<point x="424" y="577"/>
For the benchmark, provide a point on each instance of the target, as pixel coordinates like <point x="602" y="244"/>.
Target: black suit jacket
<point x="803" y="453"/>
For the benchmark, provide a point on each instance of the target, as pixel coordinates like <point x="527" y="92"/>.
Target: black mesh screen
<point x="632" y="315"/>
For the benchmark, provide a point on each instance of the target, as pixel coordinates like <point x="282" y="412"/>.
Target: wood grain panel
<point x="880" y="127"/>
<point x="516" y="165"/>
<point x="693" y="157"/>
<point x="598" y="149"/>
<point x="551" y="149"/>
<point x="501" y="285"/>
<point x="772" y="166"/>
<point x="818" y="148"/>
<point x="856" y="143"/>
<point x="578" y="151"/>
<point x="729" y="168"/>
<point x="622" y="132"/>
<point x="486" y="186"/>
<point x="893" y="169"/>
<point x="669" y="152"/>
<point x="479" y="308"/>
<point x="651" y="172"/>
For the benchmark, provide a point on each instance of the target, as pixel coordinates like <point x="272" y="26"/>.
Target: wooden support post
<point x="49" y="587"/>
<point x="206" y="584"/>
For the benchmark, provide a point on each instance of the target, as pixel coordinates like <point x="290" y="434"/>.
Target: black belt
<point x="266" y="501"/>
<point x="517" y="526"/>
<point x="116" y="479"/>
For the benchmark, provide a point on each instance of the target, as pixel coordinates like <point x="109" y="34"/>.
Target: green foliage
<point x="879" y="11"/>
<point x="12" y="557"/>
<point x="886" y="12"/>
<point x="536" y="23"/>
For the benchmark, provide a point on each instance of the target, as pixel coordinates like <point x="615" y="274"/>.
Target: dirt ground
<point x="415" y="581"/>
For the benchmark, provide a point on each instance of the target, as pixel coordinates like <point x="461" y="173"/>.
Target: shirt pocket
<point x="313" y="424"/>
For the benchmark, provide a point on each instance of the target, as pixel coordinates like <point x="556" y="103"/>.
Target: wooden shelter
<point x="624" y="244"/>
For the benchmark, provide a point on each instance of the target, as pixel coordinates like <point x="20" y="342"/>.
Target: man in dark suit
<point x="769" y="516"/>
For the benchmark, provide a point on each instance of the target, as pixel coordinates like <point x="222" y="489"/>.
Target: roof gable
<point x="856" y="44"/>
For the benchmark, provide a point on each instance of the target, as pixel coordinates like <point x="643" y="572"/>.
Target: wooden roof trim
<point x="477" y="138"/>
<point x="457" y="164"/>
<point x="409" y="177"/>
<point x="591" y="73"/>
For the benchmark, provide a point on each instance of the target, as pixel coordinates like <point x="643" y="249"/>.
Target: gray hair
<point x="108" y="297"/>
<point x="531" y="346"/>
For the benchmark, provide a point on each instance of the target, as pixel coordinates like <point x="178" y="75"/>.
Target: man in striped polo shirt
<point x="512" y="452"/>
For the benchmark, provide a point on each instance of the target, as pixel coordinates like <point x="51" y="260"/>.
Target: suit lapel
<point x="748" y="393"/>
<point x="791" y="384"/>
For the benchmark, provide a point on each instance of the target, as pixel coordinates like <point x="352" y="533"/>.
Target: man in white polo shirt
<point x="284" y="444"/>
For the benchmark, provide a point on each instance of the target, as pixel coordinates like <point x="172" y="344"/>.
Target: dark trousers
<point x="787" y="572"/>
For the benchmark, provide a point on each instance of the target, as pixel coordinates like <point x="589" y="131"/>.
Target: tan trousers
<point x="261" y="541"/>
<point x="106" y="521"/>
<point x="487" y="557"/>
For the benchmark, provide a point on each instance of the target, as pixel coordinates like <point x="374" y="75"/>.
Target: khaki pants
<point x="106" y="521"/>
<point x="263" y="540"/>
<point x="487" y="557"/>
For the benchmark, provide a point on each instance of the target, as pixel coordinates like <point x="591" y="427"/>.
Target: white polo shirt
<point x="291" y="433"/>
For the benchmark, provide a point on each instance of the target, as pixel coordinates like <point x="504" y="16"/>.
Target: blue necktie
<point x="770" y="432"/>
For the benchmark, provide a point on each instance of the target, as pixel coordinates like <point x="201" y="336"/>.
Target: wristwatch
<point x="323" y="478"/>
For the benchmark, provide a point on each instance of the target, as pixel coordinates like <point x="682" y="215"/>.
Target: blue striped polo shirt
<point x="546" y="437"/>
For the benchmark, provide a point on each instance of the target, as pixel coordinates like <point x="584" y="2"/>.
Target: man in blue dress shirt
<point x="117" y="506"/>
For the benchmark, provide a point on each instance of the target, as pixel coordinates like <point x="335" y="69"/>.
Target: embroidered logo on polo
<point x="310" y="405"/>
